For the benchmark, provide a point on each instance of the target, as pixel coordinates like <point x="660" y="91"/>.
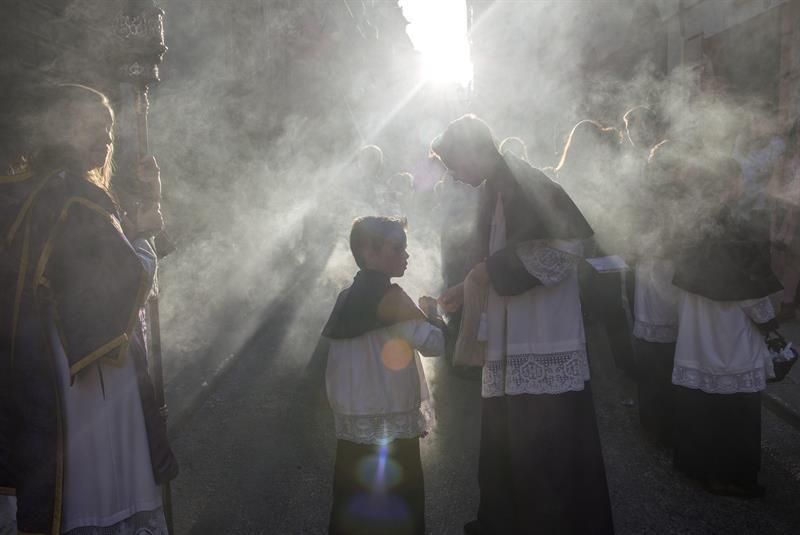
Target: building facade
<point x="753" y="46"/>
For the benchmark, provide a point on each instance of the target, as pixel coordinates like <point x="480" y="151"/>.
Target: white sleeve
<point x="549" y="261"/>
<point x="758" y="310"/>
<point x="421" y="335"/>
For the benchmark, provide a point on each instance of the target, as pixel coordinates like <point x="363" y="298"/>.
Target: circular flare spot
<point x="379" y="473"/>
<point x="397" y="354"/>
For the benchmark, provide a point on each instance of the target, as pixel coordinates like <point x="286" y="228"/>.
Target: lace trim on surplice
<point x="381" y="428"/>
<point x="751" y="381"/>
<point x="547" y="264"/>
<point x="546" y="373"/>
<point x="650" y="332"/>
<point x="761" y="311"/>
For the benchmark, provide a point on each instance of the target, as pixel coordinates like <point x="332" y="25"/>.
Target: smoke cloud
<point x="264" y="106"/>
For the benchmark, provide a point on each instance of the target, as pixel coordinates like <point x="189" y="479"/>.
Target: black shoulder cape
<point x="536" y="208"/>
<point x="356" y="308"/>
<point x="732" y="265"/>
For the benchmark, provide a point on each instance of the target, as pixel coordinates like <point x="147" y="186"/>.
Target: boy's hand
<point x="453" y="298"/>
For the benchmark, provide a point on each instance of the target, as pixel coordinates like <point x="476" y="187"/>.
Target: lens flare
<point x="397" y="354"/>
<point x="379" y="473"/>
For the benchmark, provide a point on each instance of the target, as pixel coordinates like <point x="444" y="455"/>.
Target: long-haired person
<point x="589" y="171"/>
<point x="655" y="308"/>
<point x="541" y="467"/>
<point x="90" y="449"/>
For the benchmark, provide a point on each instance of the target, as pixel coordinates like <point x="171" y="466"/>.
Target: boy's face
<point x="391" y="257"/>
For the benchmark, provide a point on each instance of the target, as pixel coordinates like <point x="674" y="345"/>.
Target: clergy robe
<point x="79" y="290"/>
<point x="720" y="365"/>
<point x="541" y="468"/>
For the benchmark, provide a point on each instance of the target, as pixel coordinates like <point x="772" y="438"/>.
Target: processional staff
<point x="139" y="31"/>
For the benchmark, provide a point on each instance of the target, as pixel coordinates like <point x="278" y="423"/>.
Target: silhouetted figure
<point x="589" y="171"/>
<point x="541" y="467"/>
<point x="515" y="146"/>
<point x="655" y="305"/>
<point x="368" y="185"/>
<point x="643" y="130"/>
<point x="14" y="170"/>
<point x="377" y="388"/>
<point x="723" y="272"/>
<point x="398" y="197"/>
<point x="90" y="447"/>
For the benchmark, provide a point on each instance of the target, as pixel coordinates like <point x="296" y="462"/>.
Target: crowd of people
<point x="697" y="239"/>
<point x="698" y="231"/>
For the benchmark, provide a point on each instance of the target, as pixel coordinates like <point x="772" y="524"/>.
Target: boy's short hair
<point x="372" y="232"/>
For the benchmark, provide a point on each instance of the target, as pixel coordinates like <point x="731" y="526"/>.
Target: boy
<point x="376" y="387"/>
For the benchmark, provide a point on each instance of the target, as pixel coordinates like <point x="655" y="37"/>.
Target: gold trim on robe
<point x="23" y="211"/>
<point x="39" y="279"/>
<point x="18" y="177"/>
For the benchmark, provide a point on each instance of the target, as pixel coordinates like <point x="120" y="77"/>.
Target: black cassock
<point x="541" y="467"/>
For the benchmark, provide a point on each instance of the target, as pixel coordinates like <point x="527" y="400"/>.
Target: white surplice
<point x="373" y="403"/>
<point x="656" y="301"/>
<point x="536" y="341"/>
<point x="720" y="350"/>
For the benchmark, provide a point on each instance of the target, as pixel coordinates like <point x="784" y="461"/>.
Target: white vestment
<point x="536" y="341"/>
<point x="719" y="349"/>
<point x="656" y="301"/>
<point x="372" y="401"/>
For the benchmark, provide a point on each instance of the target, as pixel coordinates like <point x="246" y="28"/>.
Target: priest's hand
<point x="453" y="298"/>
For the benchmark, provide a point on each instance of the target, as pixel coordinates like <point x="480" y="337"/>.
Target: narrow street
<point x="257" y="457"/>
